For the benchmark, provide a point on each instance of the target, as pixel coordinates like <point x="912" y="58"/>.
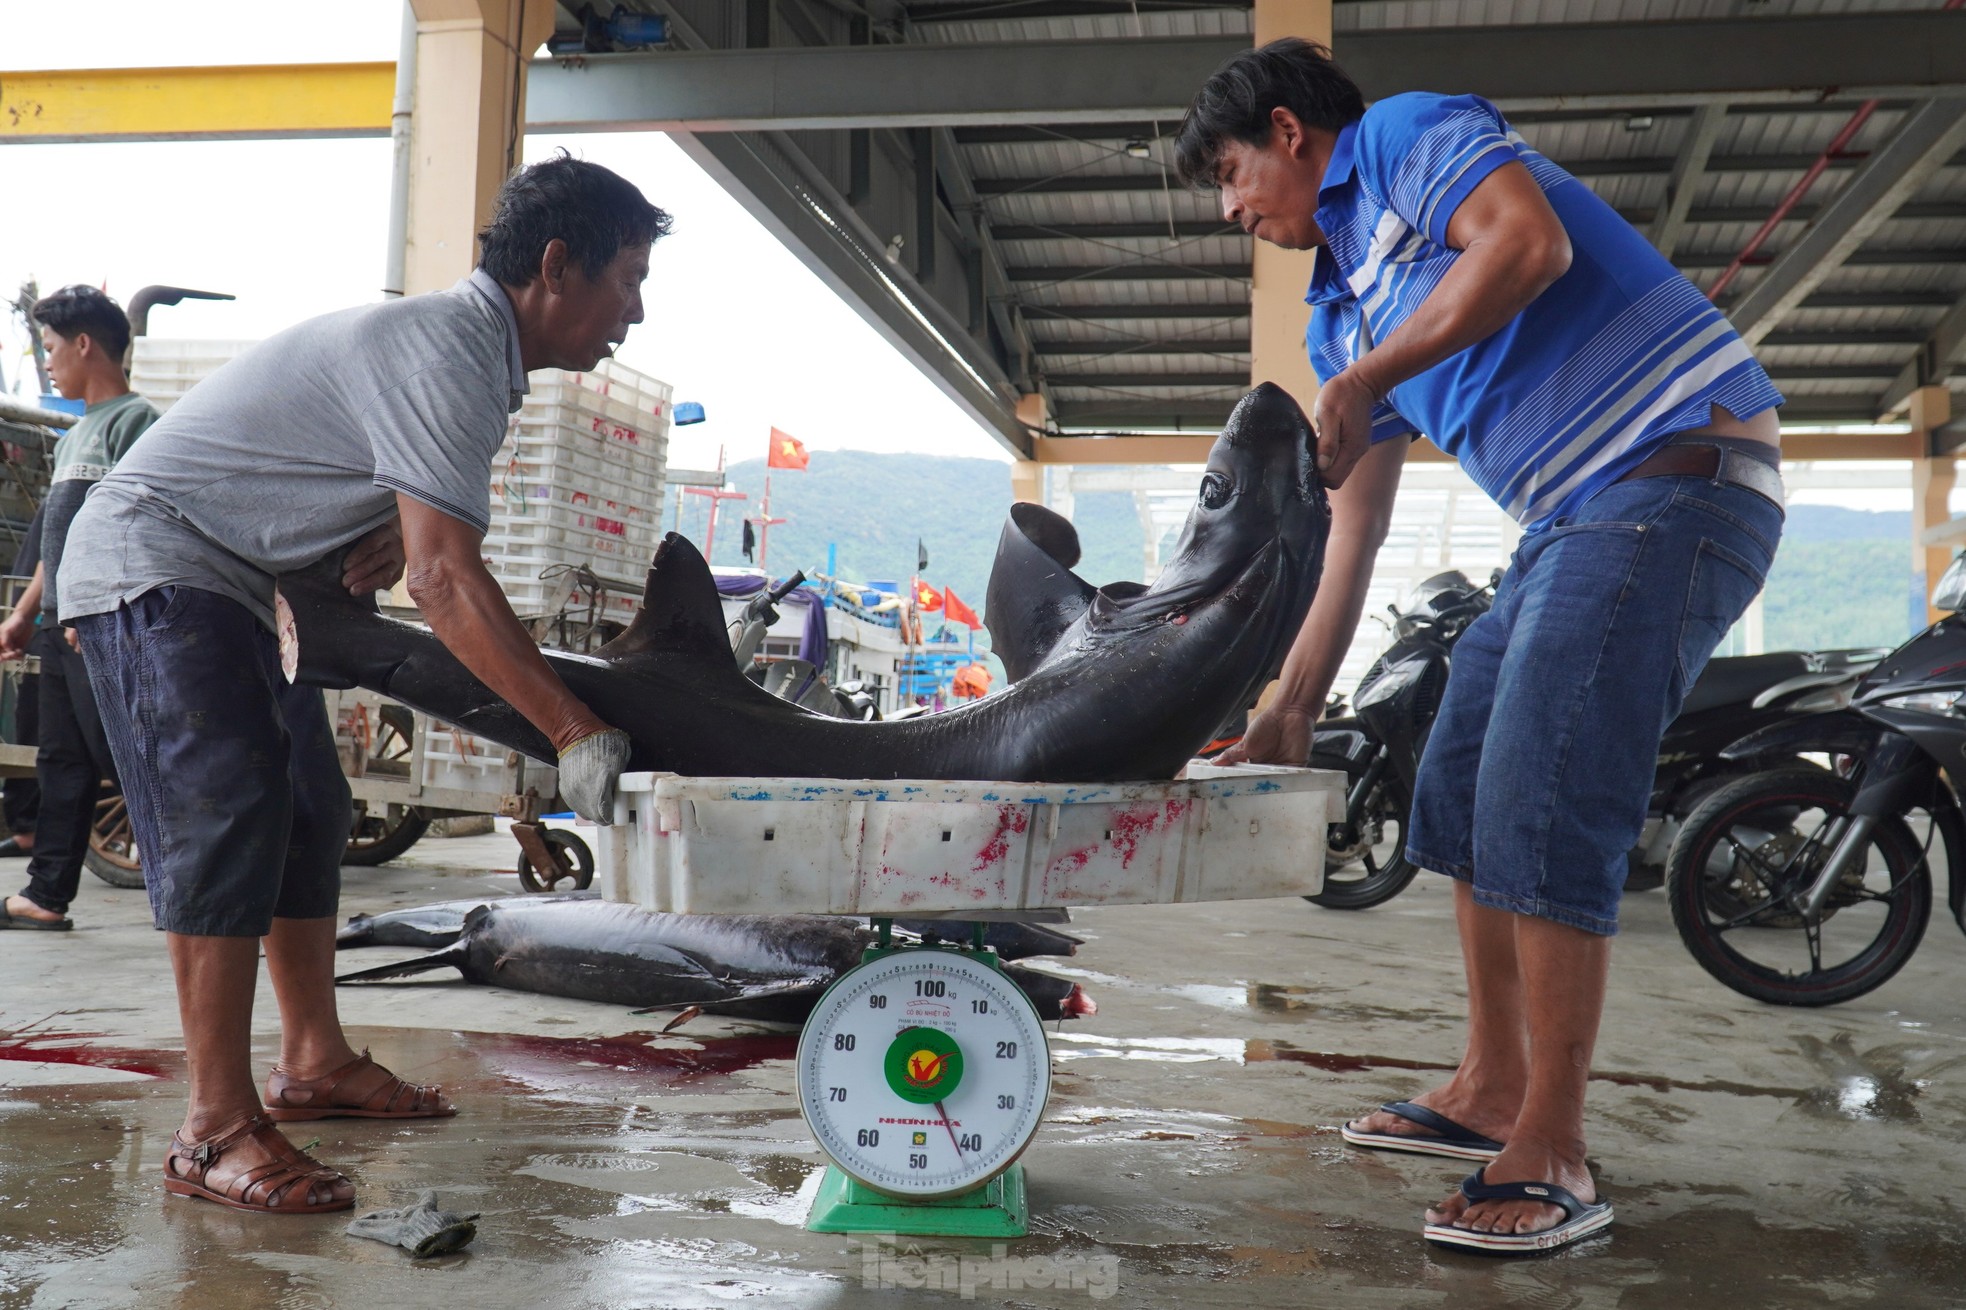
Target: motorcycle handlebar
<point x="787" y="587"/>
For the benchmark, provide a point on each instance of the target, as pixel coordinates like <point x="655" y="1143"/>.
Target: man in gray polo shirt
<point x="371" y="430"/>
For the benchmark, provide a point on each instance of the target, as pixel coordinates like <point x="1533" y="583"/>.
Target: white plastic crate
<point x="162" y="369"/>
<point x="823" y="846"/>
<point x="455" y="759"/>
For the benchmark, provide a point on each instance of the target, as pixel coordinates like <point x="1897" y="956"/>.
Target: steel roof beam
<point x="1162" y="230"/>
<point x="1188" y="228"/>
<point x="1933" y="362"/>
<point x="1879" y="256"/>
<point x="1127" y="347"/>
<point x="1565" y="65"/>
<point x="1238" y="380"/>
<point x="1928" y="137"/>
<point x="1141" y="272"/>
<point x="1039" y="83"/>
<point x="1846" y="337"/>
<point x="1104" y="184"/>
<point x="1687" y="170"/>
<point x="874" y="86"/>
<point x="1099" y="313"/>
<point x="1877" y="299"/>
<point x="1016" y="10"/>
<point x="975" y="220"/>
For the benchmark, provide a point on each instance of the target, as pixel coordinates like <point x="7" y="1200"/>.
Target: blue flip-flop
<point x="22" y="921"/>
<point x="1579" y="1220"/>
<point x="1447" y="1138"/>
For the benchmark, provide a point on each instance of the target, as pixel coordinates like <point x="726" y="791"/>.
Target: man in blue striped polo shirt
<point x="1470" y="290"/>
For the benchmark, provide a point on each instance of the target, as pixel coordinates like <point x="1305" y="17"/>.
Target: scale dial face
<point x="924" y="1073"/>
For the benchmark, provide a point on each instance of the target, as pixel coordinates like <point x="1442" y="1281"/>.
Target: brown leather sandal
<point x="289" y="1098"/>
<point x="286" y="1182"/>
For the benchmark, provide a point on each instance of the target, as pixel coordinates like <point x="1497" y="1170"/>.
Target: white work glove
<point x="589" y="771"/>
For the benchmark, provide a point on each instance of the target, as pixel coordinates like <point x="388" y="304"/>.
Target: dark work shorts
<point x="1535" y="779"/>
<point x="235" y="792"/>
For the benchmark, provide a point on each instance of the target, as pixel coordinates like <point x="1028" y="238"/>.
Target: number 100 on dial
<point x="924" y="1073"/>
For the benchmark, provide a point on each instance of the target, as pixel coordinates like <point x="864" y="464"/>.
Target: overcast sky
<point x="296" y="228"/>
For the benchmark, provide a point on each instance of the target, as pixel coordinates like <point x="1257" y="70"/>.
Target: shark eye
<point x="1214" y="491"/>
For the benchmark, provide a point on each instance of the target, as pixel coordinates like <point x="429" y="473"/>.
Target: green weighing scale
<point x="924" y="1070"/>
<point x="923" y="1073"/>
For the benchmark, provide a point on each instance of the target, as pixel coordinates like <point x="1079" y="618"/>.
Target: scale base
<point x="997" y="1209"/>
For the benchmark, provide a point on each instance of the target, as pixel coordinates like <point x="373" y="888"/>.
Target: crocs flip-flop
<point x="1445" y="1136"/>
<point x="1579" y="1220"/>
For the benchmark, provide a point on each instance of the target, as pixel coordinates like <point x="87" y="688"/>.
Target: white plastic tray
<point x="825" y="846"/>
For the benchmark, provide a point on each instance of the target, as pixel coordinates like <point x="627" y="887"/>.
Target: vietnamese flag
<point x="957" y="612"/>
<point x="787" y="452"/>
<point x="927" y="597"/>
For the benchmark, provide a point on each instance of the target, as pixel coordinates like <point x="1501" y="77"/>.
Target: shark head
<point x="1259" y="513"/>
<point x="1260" y="500"/>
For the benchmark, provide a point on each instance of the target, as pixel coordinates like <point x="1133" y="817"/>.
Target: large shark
<point x="1108" y="684"/>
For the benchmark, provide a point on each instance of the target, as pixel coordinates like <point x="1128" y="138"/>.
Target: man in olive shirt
<point x="85" y="334"/>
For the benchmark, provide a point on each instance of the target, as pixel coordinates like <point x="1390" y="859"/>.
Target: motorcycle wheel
<point x="1362" y="870"/>
<point x="1758" y="840"/>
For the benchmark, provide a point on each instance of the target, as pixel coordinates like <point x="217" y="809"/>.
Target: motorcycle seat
<point x="1738" y="679"/>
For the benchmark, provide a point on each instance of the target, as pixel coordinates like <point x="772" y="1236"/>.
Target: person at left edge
<point x="372" y="429"/>
<point x="85" y="334"/>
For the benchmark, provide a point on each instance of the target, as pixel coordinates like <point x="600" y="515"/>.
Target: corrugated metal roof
<point x="1073" y="210"/>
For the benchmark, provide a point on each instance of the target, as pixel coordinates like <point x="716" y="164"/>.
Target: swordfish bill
<point x="1110" y="684"/>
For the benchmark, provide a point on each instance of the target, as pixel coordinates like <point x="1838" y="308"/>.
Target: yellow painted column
<point x="1932" y="481"/>
<point x="471" y="58"/>
<point x="1278" y="313"/>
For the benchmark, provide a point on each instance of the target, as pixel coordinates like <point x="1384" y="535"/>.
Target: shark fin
<point x="680" y="610"/>
<point x="450" y="959"/>
<point x="1033" y="595"/>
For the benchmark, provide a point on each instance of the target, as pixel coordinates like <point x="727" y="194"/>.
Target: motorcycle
<point x="1801" y="884"/>
<point x="1378" y="746"/>
<point x="1734" y="696"/>
<point x="793" y="679"/>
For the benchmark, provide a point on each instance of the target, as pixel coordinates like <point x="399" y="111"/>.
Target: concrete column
<point x="1932" y="480"/>
<point x="471" y="58"/>
<point x="1278" y="313"/>
<point x="1027" y="476"/>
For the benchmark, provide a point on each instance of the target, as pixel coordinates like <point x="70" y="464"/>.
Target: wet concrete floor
<point x="1758" y="1157"/>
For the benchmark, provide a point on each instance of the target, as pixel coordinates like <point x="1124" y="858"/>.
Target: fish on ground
<point x="1111" y="684"/>
<point x="441" y="924"/>
<point x="766" y="967"/>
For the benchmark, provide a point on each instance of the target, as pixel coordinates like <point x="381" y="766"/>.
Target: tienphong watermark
<point x="885" y="1263"/>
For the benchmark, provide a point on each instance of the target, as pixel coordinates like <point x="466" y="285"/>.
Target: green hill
<point x="1842" y="577"/>
<point x="873" y="507"/>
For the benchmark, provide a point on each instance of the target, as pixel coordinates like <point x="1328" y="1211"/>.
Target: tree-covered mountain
<point x="873" y="507"/>
<point x="1842" y="578"/>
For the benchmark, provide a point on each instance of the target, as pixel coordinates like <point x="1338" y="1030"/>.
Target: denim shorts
<point x="1535" y="780"/>
<point x="235" y="792"/>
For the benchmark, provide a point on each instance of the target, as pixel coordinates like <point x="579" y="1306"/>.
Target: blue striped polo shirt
<point x="1577" y="389"/>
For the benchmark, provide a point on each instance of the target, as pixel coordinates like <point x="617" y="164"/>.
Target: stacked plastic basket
<point x="579" y="482"/>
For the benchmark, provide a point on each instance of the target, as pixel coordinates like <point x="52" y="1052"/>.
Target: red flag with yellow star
<point x="787" y="452"/>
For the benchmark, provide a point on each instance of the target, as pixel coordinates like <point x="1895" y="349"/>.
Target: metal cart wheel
<point x="379" y="835"/>
<point x="577" y="854"/>
<point x="112" y="854"/>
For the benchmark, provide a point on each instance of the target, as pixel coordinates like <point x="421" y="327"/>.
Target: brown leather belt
<point x="1688" y="459"/>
